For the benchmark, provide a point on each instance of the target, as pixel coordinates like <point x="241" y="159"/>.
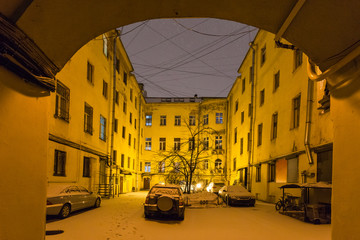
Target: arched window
<point x="218" y="163"/>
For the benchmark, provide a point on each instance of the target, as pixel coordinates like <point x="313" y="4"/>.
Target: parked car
<point x="64" y="199"/>
<point x="165" y="199"/>
<point x="214" y="187"/>
<point x="237" y="195"/>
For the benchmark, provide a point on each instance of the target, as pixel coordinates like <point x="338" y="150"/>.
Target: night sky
<point x="184" y="57"/>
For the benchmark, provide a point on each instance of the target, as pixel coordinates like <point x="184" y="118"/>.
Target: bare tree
<point x="185" y="160"/>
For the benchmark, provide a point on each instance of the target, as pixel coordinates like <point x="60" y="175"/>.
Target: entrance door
<point x="146" y="183"/>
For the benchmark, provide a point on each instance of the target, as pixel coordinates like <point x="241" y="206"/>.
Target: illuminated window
<point x="88" y="119"/>
<point x="177" y="120"/>
<point x="192" y="120"/>
<point x="218" y="142"/>
<point x="206" y="143"/>
<point x="59" y="163"/>
<point x="163" y="120"/>
<point x="148" y="144"/>
<point x="219" y="117"/>
<point x="86" y="167"/>
<point x="162" y="144"/>
<point x="176" y="144"/>
<point x="147" y="166"/>
<point x="162" y="167"/>
<point x="62" y="102"/>
<point x="102" y="128"/>
<point x="177" y="167"/>
<point x="148" y="120"/>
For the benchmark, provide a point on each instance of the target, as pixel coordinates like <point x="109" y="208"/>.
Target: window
<point x="262" y="97"/>
<point x="131" y="94"/>
<point x="148" y="119"/>
<point x="117" y="97"/>
<point x="243" y="85"/>
<point x="128" y="162"/>
<point x="130" y="118"/>
<point x="135" y="123"/>
<point x="251" y="72"/>
<point x="192" y="120"/>
<point x="206" y="143"/>
<point x="235" y="135"/>
<point x="274" y="126"/>
<point x="219" y="117"/>
<point x="292" y="170"/>
<point x="218" y="164"/>
<point x="105" y="47"/>
<point x="242" y="117"/>
<point x="122" y="160"/>
<point x="148" y="144"/>
<point x="296" y="112"/>
<point x="297" y="58"/>
<point x="163" y="120"/>
<point x="86" y="167"/>
<point x="176" y="144"/>
<point x="271" y="171"/>
<point x="325" y="101"/>
<point x="114" y="157"/>
<point x="162" y="167"/>
<point x="248" y="141"/>
<point x="177" y="167"/>
<point x="124" y="105"/>
<point x="250" y="110"/>
<point x="102" y="128"/>
<point x="263" y="55"/>
<point x="206" y="119"/>
<point x="324" y="166"/>
<point x="162" y="144"/>
<point x="116" y="125"/>
<point x="59" y="163"/>
<point x="260" y="130"/>
<point x="241" y="145"/>
<point x="191" y="144"/>
<point x="206" y="164"/>
<point x="258" y="173"/>
<point x="177" y="120"/>
<point x="135" y="102"/>
<point x="141" y="165"/>
<point x="236" y="106"/>
<point x="133" y="164"/>
<point x="90" y="73"/>
<point x="147" y="166"/>
<point x="88" y="119"/>
<point x="276" y="80"/>
<point x="125" y="78"/>
<point x="117" y="64"/>
<point x="134" y="142"/>
<point x="234" y="164"/>
<point x="105" y="89"/>
<point x="129" y="141"/>
<point x="62" y="102"/>
<point x="218" y="142"/>
<point x="123" y="132"/>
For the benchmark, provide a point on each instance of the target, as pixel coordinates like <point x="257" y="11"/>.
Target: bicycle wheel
<point x="278" y="205"/>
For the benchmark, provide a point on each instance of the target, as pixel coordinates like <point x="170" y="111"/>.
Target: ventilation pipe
<point x="308" y="120"/>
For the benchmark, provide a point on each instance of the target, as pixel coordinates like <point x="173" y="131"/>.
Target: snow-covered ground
<point x="122" y="218"/>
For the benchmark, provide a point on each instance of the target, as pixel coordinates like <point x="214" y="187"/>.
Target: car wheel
<point x="146" y="215"/>
<point x="65" y="211"/>
<point x="97" y="203"/>
<point x="181" y="217"/>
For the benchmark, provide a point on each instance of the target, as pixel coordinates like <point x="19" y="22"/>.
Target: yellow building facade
<point x="95" y="120"/>
<point x="281" y="119"/>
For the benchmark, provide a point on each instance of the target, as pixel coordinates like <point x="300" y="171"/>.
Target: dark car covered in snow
<point x="237" y="195"/>
<point x="165" y="199"/>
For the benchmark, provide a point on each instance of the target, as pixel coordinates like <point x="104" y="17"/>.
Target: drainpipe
<point x="113" y="115"/>
<point x="308" y="120"/>
<point x="252" y="78"/>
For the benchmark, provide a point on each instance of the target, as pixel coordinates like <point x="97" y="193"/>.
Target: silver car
<point x="64" y="199"/>
<point x="237" y="195"/>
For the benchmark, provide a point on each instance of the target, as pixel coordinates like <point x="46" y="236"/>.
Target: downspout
<point x="228" y="142"/>
<point x="113" y="114"/>
<point x="252" y="78"/>
<point x="308" y="120"/>
<point x="138" y="143"/>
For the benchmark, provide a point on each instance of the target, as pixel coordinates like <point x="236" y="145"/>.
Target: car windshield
<point x="162" y="190"/>
<point x="236" y="189"/>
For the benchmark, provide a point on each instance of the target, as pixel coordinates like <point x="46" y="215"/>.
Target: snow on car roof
<point x="167" y="185"/>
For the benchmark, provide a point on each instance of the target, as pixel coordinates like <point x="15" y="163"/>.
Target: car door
<point x="75" y="198"/>
<point x="86" y="198"/>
